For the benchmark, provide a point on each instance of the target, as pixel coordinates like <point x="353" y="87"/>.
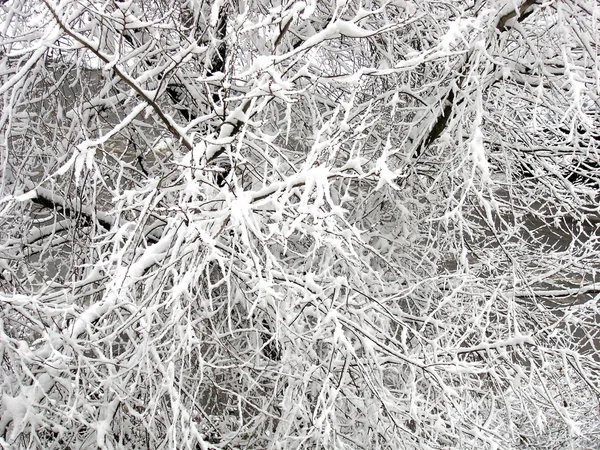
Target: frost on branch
<point x="298" y="225"/>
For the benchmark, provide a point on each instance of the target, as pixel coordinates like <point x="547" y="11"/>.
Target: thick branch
<point x="439" y="126"/>
<point x="523" y="13"/>
<point x="48" y="200"/>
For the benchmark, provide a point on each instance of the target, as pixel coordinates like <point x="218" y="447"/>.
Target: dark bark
<point x="70" y="213"/>
<point x="439" y="126"/>
<point x="525" y="11"/>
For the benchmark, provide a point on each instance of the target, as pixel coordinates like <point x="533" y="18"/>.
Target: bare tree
<point x="270" y="224"/>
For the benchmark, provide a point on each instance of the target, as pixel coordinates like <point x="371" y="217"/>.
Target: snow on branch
<point x="332" y="224"/>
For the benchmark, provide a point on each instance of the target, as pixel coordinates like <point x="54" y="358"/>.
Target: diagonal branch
<point x="168" y="121"/>
<point x="523" y="12"/>
<point x="441" y="122"/>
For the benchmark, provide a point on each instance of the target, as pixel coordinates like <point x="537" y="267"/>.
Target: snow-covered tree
<point x="306" y="224"/>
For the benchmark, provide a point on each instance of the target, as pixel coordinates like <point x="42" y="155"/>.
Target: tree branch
<point x="49" y="200"/>
<point x="138" y="90"/>
<point x="523" y="13"/>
